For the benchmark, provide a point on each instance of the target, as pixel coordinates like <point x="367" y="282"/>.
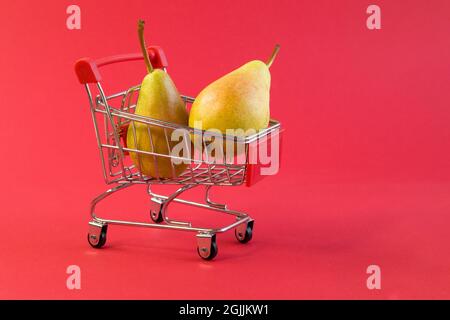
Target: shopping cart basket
<point x="113" y="114"/>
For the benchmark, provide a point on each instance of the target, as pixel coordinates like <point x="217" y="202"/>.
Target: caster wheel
<point x="156" y="216"/>
<point x="155" y="211"/>
<point x="207" y="247"/>
<point x="244" y="232"/>
<point x="97" y="235"/>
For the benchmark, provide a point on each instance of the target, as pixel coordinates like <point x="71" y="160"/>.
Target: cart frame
<point x="201" y="172"/>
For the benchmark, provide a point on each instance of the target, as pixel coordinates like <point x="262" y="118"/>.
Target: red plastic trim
<point x="253" y="171"/>
<point x="123" y="135"/>
<point x="87" y="70"/>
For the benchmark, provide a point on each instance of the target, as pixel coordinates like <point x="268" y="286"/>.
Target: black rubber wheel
<point x="156" y="216"/>
<point x="101" y="242"/>
<point x="212" y="250"/>
<point x="248" y="233"/>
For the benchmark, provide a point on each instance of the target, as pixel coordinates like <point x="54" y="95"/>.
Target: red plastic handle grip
<point x="87" y="69"/>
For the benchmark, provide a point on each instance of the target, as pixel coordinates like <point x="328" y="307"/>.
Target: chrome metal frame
<point x="109" y="118"/>
<point x="166" y="200"/>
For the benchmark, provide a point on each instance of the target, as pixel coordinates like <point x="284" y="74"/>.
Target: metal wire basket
<point x="113" y="115"/>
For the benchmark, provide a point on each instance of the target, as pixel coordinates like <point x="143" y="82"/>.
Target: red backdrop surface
<point x="365" y="176"/>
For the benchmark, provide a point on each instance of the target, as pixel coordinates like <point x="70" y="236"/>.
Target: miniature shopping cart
<point x="113" y="114"/>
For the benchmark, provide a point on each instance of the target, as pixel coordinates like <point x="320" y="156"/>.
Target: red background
<point x="366" y="172"/>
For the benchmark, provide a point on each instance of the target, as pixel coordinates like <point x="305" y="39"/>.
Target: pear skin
<point x="238" y="100"/>
<point x="158" y="99"/>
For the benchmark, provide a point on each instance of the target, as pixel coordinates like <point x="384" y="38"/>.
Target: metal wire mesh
<point x="114" y="120"/>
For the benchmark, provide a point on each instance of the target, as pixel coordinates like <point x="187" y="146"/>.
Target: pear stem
<point x="273" y="55"/>
<point x="148" y="64"/>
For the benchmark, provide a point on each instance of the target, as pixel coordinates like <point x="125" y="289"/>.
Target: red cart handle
<point x="87" y="69"/>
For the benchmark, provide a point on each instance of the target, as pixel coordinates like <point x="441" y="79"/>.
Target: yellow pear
<point x="238" y="100"/>
<point x="158" y="99"/>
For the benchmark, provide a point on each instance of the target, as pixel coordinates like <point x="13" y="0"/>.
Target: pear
<point x="238" y="100"/>
<point x="158" y="99"/>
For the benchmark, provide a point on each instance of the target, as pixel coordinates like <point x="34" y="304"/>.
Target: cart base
<point x="206" y="237"/>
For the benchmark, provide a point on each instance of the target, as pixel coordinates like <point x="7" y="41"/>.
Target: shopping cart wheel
<point x="155" y="210"/>
<point x="156" y="216"/>
<point x="244" y="232"/>
<point x="97" y="234"/>
<point x="206" y="246"/>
